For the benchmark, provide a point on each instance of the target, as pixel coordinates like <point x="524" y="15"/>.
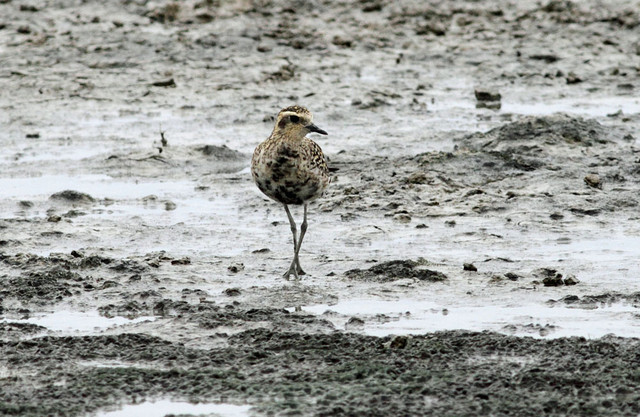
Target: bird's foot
<point x="292" y="271"/>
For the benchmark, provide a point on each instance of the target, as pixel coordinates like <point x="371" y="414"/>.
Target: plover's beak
<point x="314" y="128"/>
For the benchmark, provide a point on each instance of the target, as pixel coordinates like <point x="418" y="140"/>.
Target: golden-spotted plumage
<point x="291" y="169"/>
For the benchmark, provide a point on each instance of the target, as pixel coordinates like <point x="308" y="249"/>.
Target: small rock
<point x="553" y="281"/>
<point x="547" y="58"/>
<point x="205" y="17"/>
<point x="573" y="78"/>
<point x="487" y="99"/>
<point x="263" y="250"/>
<point x="402" y="218"/>
<point x="264" y="48"/>
<point x="342" y="42"/>
<point x="32" y="135"/>
<point x="54" y="218"/>
<point x="182" y="261"/>
<point x="25" y="204"/>
<point x="450" y="223"/>
<point x="354" y="323"/>
<point x="571" y="280"/>
<point x="487" y="95"/>
<point x="475" y="192"/>
<point x="164" y="83"/>
<point x="372" y="6"/>
<point x="236" y="267"/>
<point x="469" y="267"/>
<point x="232" y="292"/>
<point x="568" y="299"/>
<point x="593" y="180"/>
<point x="512" y="276"/>
<point x="421" y="226"/>
<point x="169" y="205"/>
<point x="556" y="216"/>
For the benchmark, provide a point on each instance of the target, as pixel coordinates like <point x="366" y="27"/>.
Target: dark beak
<point x="314" y="128"/>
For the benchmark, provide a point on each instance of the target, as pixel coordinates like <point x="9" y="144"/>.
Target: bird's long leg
<point x="303" y="230"/>
<point x="294" y="231"/>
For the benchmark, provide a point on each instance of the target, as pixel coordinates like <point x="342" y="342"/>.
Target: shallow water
<point x="408" y="316"/>
<point x="587" y="107"/>
<point x="77" y="322"/>
<point x="162" y="408"/>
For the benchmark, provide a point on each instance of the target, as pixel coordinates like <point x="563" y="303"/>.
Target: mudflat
<point x="477" y="252"/>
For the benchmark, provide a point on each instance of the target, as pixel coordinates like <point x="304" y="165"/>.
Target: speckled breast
<point x="288" y="174"/>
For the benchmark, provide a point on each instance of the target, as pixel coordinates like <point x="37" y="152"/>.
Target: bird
<point x="291" y="169"/>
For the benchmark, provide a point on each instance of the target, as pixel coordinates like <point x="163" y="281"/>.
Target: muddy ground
<point x="476" y="253"/>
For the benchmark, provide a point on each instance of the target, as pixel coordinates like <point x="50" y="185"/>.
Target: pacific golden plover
<point x="291" y="169"/>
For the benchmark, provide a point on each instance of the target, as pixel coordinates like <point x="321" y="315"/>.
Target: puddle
<point x="175" y="200"/>
<point x="162" y="408"/>
<point x="97" y="186"/>
<point x="77" y="321"/>
<point x="419" y="317"/>
<point x="114" y="364"/>
<point x="589" y="107"/>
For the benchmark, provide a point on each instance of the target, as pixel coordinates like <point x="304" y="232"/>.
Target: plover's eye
<point x="294" y="119"/>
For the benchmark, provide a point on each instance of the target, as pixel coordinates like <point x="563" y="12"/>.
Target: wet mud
<point x="289" y="373"/>
<point x="475" y="254"/>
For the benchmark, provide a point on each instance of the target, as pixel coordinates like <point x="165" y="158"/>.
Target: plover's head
<point x="296" y="121"/>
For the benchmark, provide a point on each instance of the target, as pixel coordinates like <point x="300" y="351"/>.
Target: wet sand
<point x="477" y="252"/>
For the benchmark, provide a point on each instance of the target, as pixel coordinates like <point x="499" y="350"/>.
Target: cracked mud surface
<point x="475" y="254"/>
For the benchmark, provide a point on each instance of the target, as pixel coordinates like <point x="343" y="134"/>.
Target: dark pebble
<point x="469" y="267"/>
<point x="553" y="281"/>
<point x="164" y="83"/>
<point x="512" y="276"/>
<point x="573" y="78"/>
<point x="182" y="261"/>
<point x="237" y="267"/>
<point x="232" y="292"/>
<point x="487" y="95"/>
<point x="593" y="181"/>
